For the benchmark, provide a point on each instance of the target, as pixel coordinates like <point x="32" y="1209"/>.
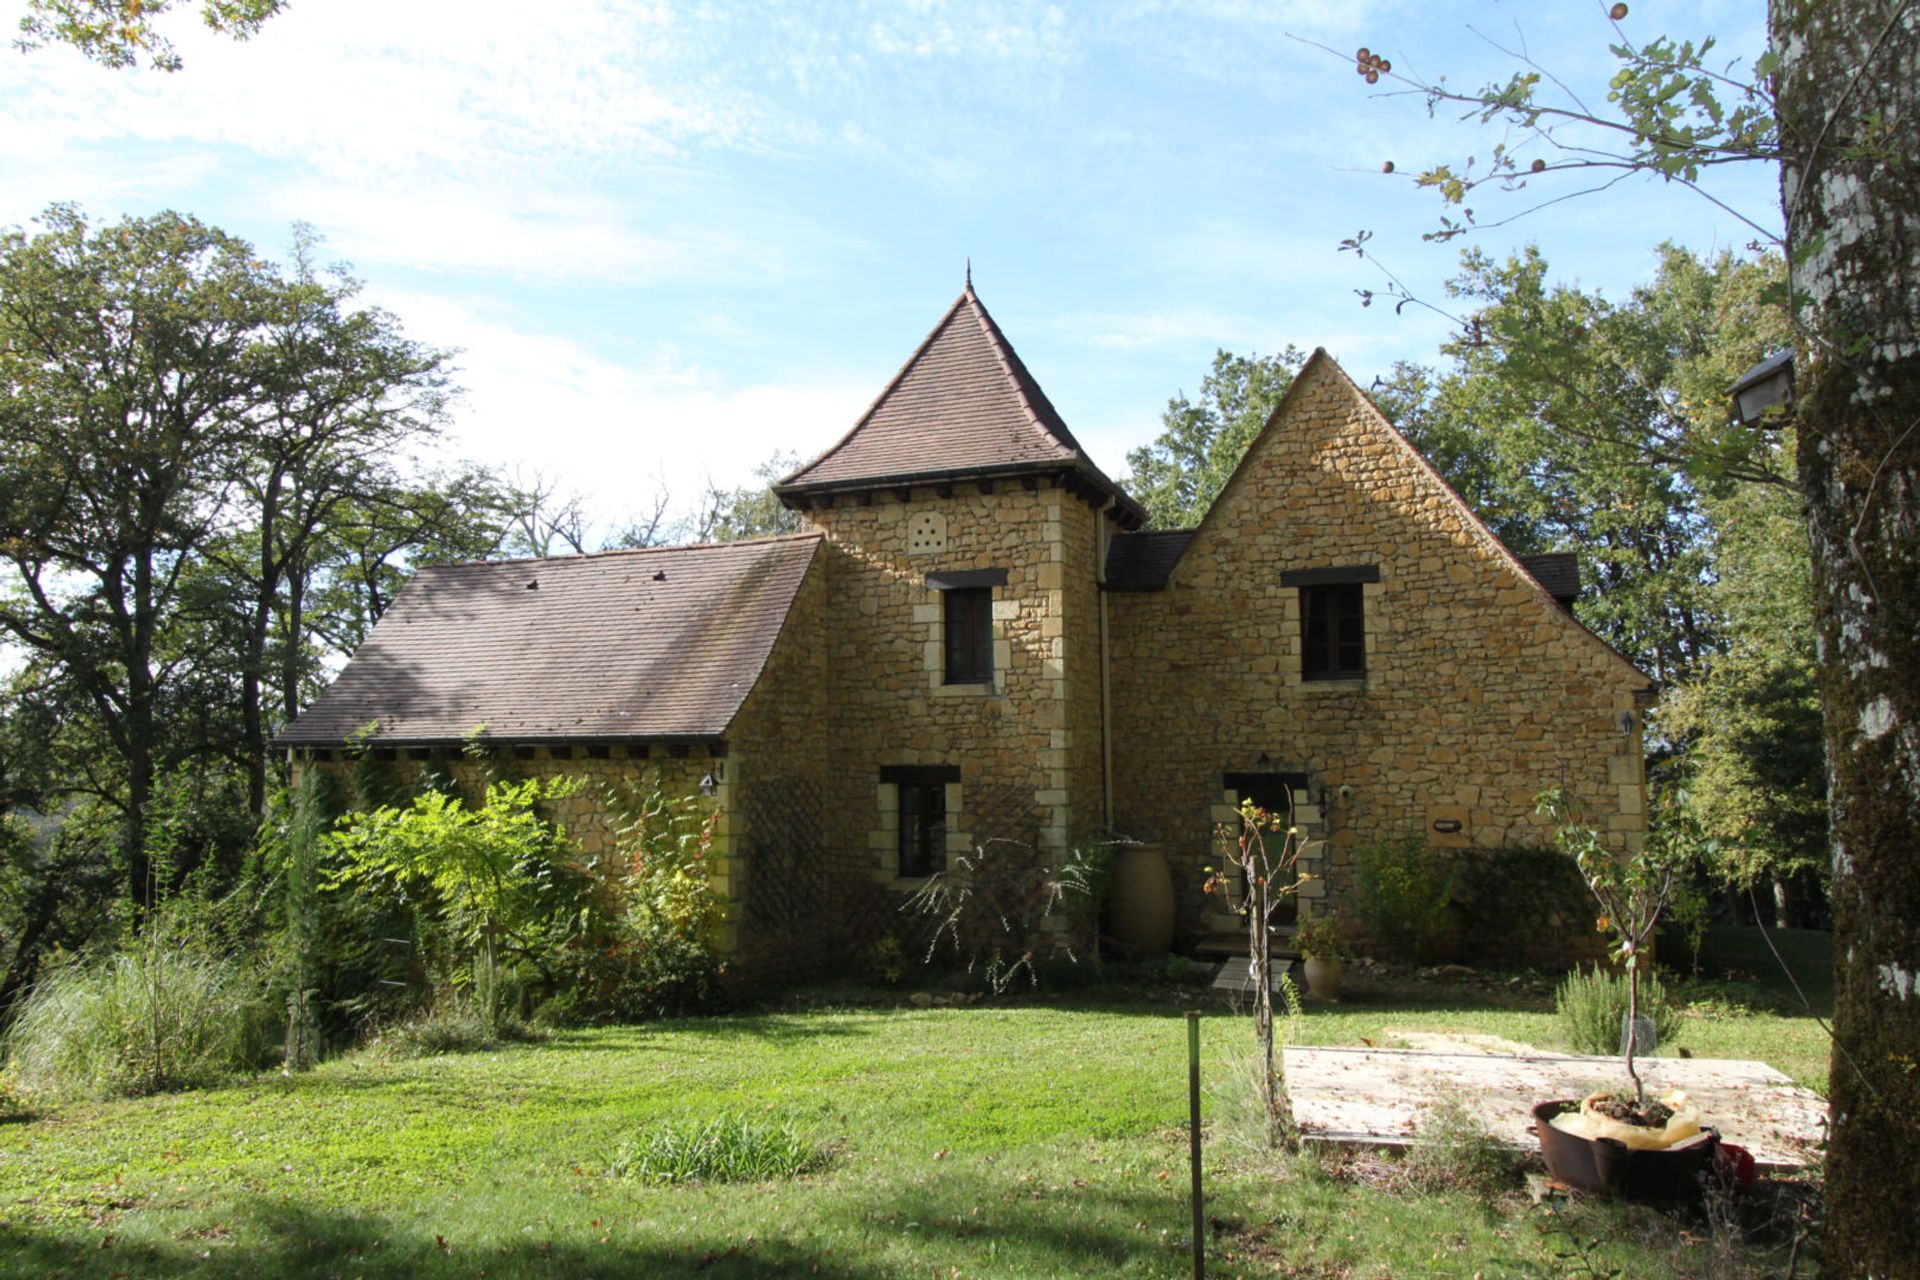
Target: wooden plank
<point x="1376" y="1096"/>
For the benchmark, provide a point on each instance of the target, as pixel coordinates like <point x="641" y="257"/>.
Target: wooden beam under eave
<point x="865" y="497"/>
<point x="904" y="493"/>
<point x="986" y="488"/>
<point x="1030" y="483"/>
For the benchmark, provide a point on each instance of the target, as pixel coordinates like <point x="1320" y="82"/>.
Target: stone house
<point x="974" y="640"/>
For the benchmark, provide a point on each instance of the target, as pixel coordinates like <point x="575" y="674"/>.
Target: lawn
<point x="1043" y="1137"/>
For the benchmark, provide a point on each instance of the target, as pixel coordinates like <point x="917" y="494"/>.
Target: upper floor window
<point x="1333" y="622"/>
<point x="1333" y="629"/>
<point x="968" y="617"/>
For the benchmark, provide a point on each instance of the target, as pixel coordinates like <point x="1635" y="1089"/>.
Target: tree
<point x="728" y="515"/>
<point x="1849" y="127"/>
<point x="1178" y="476"/>
<point x="126" y="367"/>
<point x="118" y="33"/>
<point x="1834" y="102"/>
<point x="343" y="394"/>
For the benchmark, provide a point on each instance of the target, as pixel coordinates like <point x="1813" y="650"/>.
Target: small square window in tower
<point x="1333" y="632"/>
<point x="923" y="828"/>
<point x="968" y="615"/>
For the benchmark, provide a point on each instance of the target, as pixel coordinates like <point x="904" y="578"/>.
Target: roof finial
<point x="969" y="273"/>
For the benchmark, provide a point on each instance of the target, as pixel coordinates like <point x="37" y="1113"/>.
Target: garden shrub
<point x="165" y="1012"/>
<point x="726" y="1149"/>
<point x="1592" y="1005"/>
<point x="1526" y="905"/>
<point x="495" y="877"/>
<point x="652" y="910"/>
<point x="989" y="911"/>
<point x="1402" y="891"/>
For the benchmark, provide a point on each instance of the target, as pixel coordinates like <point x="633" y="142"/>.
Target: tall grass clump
<point x="725" y="1149"/>
<point x="161" y="1014"/>
<point x="1452" y="1151"/>
<point x="1592" y="1004"/>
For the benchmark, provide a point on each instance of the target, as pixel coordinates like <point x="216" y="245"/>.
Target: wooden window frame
<point x="922" y="809"/>
<point x="1333" y="631"/>
<point x="967" y="635"/>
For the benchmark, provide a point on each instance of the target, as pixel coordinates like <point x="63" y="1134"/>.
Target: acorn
<point x="1618" y="12"/>
<point x="1387" y="167"/>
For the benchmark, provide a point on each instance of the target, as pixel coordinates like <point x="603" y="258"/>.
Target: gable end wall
<point x="1479" y="691"/>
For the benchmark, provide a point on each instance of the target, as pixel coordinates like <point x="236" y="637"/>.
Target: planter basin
<point x="1615" y="1169"/>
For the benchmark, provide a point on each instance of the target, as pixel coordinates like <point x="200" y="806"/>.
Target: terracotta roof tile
<point x="1143" y="561"/>
<point x="964" y="404"/>
<point x="1557" y="571"/>
<point x="657" y="643"/>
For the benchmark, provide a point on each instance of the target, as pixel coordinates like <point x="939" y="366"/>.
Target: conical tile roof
<point x="963" y="406"/>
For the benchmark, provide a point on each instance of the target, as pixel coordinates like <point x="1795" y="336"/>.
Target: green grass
<point x="1018" y="1140"/>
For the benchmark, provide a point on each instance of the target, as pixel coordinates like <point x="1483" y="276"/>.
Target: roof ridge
<point x="799" y="535"/>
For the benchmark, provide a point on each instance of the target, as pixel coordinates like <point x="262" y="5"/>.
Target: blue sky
<point x="671" y="238"/>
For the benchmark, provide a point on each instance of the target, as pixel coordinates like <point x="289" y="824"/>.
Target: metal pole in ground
<point x="1193" y="1128"/>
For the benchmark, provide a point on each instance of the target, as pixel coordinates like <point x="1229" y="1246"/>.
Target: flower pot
<point x="1323" y="978"/>
<point x="1614" y="1169"/>
<point x="1140" y="916"/>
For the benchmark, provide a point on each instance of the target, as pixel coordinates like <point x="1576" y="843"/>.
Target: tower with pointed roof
<point x="965" y="528"/>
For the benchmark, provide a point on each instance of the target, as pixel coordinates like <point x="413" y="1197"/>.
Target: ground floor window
<point x="923" y="828"/>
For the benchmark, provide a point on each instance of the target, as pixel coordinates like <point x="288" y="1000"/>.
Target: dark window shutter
<point x="1333" y="632"/>
<point x="969" y="635"/>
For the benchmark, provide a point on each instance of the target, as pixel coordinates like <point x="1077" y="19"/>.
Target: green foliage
<point x="1402" y="890"/>
<point x="119" y="33"/>
<point x="456" y="1022"/>
<point x="652" y="911"/>
<point x="1672" y="113"/>
<point x="495" y="874"/>
<point x="727" y="515"/>
<point x="1453" y="1151"/>
<point x="1182" y="471"/>
<point x="729" y="1148"/>
<point x="1521" y="905"/>
<point x="887" y="961"/>
<point x="166" y="1012"/>
<point x="1320" y="937"/>
<point x="1592" y="1005"/>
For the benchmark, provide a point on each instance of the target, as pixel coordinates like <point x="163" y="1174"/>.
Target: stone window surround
<point x="1293" y="625"/>
<point x="931" y="613"/>
<point x="884" y="839"/>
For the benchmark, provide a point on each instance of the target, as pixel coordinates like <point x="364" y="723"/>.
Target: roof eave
<point x="1128" y="510"/>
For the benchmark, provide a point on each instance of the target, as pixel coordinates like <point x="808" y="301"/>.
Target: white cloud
<point x="612" y="430"/>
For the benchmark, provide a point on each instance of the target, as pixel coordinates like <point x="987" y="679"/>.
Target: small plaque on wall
<point x="1449" y="827"/>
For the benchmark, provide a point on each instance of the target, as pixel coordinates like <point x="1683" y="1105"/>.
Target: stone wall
<point x="779" y="872"/>
<point x="1027" y="745"/>
<point x="1479" y="690"/>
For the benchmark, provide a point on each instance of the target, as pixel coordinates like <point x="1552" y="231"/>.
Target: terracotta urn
<point x="1140" y="916"/>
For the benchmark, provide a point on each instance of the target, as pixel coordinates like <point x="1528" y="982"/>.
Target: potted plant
<point x="1617" y="1142"/>
<point x="1317" y="939"/>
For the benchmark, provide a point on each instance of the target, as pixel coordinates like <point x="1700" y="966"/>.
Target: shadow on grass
<point x="962" y="1223"/>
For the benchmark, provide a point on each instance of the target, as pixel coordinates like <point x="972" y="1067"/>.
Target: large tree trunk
<point x="1853" y="227"/>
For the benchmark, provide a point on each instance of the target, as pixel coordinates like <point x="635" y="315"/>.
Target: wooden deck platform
<point x="1375" y="1097"/>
